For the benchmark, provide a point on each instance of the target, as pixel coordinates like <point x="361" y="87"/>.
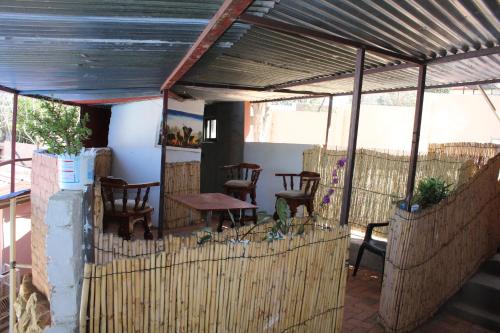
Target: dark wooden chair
<point x="374" y="246"/>
<point x="241" y="181"/>
<point x="304" y="195"/>
<point x="118" y="206"/>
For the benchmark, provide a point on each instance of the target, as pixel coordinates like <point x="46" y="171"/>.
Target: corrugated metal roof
<point x="422" y="29"/>
<point x="75" y="49"/>
<point x="88" y="50"/>
<point x="419" y="28"/>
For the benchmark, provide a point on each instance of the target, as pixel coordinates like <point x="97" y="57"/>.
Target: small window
<point x="210" y="130"/>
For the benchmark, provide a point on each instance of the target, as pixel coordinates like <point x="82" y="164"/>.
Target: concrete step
<point x="492" y="265"/>
<point x="482" y="292"/>
<point x="485" y="318"/>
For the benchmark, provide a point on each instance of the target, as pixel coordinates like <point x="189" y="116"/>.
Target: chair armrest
<point x="287" y="174"/>
<point x="370" y="227"/>
<point x="231" y="166"/>
<point x="143" y="185"/>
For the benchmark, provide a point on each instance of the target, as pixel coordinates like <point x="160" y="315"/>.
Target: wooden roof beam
<point x="220" y="22"/>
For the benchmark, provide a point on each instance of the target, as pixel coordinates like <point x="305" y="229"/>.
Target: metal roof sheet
<point x="424" y="29"/>
<point x="77" y="50"/>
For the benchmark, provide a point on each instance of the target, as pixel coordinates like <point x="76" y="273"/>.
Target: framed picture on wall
<point x="184" y="130"/>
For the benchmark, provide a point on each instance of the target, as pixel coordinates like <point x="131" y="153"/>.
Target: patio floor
<point x="361" y="307"/>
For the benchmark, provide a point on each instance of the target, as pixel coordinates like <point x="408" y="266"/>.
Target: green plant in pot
<point x="62" y="131"/>
<point x="431" y="191"/>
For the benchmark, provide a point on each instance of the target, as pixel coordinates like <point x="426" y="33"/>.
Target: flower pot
<point x="76" y="171"/>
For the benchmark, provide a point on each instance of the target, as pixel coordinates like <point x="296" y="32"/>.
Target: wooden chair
<point x="376" y="247"/>
<point x="242" y="180"/>
<point x="118" y="206"/>
<point x="304" y="195"/>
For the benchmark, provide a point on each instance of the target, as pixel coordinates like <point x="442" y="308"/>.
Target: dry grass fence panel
<point x="181" y="178"/>
<point x="279" y="286"/>
<point x="431" y="254"/>
<point x="379" y="180"/>
<point x="480" y="152"/>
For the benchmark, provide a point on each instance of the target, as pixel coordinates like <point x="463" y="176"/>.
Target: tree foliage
<point x="58" y="127"/>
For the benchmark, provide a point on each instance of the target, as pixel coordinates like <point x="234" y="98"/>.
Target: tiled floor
<point x="361" y="307"/>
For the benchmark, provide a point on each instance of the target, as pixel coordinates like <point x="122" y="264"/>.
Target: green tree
<point x="57" y="126"/>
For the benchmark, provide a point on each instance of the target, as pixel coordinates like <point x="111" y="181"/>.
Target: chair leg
<point x="147" y="226"/>
<point x="358" y="259"/>
<point x="254" y="215"/>
<point x="310" y="208"/>
<point x="383" y="269"/>
<point x="253" y="196"/>
<point x="293" y="209"/>
<point x="123" y="231"/>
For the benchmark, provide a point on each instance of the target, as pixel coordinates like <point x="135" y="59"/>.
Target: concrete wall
<point x="446" y="118"/>
<point x="132" y="137"/>
<point x="65" y="261"/>
<point x="273" y="158"/>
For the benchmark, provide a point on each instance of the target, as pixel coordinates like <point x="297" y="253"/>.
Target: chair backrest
<point x="309" y="182"/>
<point x="113" y="189"/>
<point x="243" y="171"/>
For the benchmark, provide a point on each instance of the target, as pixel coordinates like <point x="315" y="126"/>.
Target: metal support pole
<point x="490" y="103"/>
<point x="410" y="185"/>
<point x="13" y="136"/>
<point x="353" y="136"/>
<point x="164" y="133"/>
<point x="329" y="120"/>
<point x="12" y="269"/>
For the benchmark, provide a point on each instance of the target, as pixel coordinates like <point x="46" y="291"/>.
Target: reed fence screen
<point x="431" y="254"/>
<point x="292" y="285"/>
<point x="479" y="152"/>
<point x="181" y="178"/>
<point x="379" y="181"/>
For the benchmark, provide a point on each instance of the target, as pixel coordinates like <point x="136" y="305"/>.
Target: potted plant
<point x="430" y="191"/>
<point x="61" y="130"/>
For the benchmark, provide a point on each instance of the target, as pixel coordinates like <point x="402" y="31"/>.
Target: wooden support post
<point x="329" y="120"/>
<point x="164" y="133"/>
<point x="13" y="136"/>
<point x="417" y="121"/>
<point x="353" y="136"/>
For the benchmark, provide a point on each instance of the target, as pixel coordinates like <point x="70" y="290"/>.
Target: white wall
<point x="273" y="158"/>
<point x="132" y="134"/>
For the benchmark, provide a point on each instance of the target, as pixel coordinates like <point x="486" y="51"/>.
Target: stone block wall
<point x="43" y="186"/>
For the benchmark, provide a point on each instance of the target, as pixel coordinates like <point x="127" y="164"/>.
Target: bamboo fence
<point x="431" y="254"/>
<point x="181" y="178"/>
<point x="479" y="152"/>
<point x="379" y="181"/>
<point x="222" y="286"/>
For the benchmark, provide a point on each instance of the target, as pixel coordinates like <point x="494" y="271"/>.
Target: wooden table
<point x="207" y="203"/>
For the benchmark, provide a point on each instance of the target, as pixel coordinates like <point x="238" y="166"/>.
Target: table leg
<point x="242" y="217"/>
<point x="254" y="215"/>
<point x="221" y="221"/>
<point x="208" y="218"/>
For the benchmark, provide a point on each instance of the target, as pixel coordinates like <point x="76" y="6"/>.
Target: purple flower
<point x="342" y="162"/>
<point x="335" y="180"/>
<point x="330" y="191"/>
<point x="326" y="199"/>
<point x="334" y="173"/>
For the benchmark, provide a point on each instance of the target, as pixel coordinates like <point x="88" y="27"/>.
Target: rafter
<point x="219" y="23"/>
